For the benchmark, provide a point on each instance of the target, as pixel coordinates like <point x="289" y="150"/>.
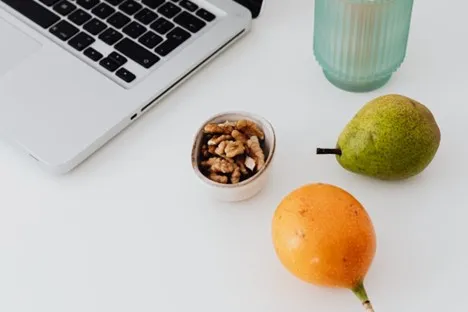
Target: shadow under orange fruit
<point x="324" y="236"/>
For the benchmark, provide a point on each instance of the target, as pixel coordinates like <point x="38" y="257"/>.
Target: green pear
<point x="392" y="137"/>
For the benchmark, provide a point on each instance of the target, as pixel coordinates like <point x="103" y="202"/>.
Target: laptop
<point x="75" y="73"/>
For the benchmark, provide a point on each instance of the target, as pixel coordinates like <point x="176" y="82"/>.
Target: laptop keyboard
<point x="124" y="39"/>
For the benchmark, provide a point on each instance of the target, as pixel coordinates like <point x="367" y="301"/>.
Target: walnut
<point x="234" y="148"/>
<point x="236" y="175"/>
<point x="223" y="166"/>
<point x="256" y="152"/>
<point x="218" y="139"/>
<point x="218" y="128"/>
<point x="228" y="126"/>
<point x="219" y="165"/>
<point x="221" y="147"/>
<point x="231" y="151"/>
<point x="239" y="136"/>
<point x="213" y="128"/>
<point x="218" y="178"/>
<point x="241" y="164"/>
<point x="250" y="128"/>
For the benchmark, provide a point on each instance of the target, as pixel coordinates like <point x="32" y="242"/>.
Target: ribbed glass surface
<point x="360" y="43"/>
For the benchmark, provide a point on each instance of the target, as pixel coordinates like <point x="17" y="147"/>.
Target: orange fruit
<point x="324" y="236"/>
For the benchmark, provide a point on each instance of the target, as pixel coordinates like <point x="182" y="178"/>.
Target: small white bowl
<point x="247" y="188"/>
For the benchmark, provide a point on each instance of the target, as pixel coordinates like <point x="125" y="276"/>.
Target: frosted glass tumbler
<point x="360" y="43"/>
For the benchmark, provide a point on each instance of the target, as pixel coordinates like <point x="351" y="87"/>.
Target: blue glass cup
<point x="360" y="43"/>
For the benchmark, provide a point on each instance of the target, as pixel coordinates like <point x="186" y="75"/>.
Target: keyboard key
<point x="130" y="7"/>
<point x="178" y="34"/>
<point x="93" y="54"/>
<point x="174" y="39"/>
<point x="94" y="26"/>
<point x="34" y="12"/>
<point x="109" y="64"/>
<point x="119" y="59"/>
<point x="115" y="2"/>
<point x="162" y="25"/>
<point x="146" y="16"/>
<point x="81" y="41"/>
<point x="118" y="20"/>
<point x="153" y="3"/>
<point x="169" y="10"/>
<point x="87" y="4"/>
<point x="167" y="47"/>
<point x="47" y="2"/>
<point x="110" y="36"/>
<point x="189" y="21"/>
<point x="150" y="39"/>
<point x="207" y="16"/>
<point x="125" y="75"/>
<point x="103" y="11"/>
<point x="189" y="5"/>
<point x="64" y="8"/>
<point x="134" y="30"/>
<point x="137" y="53"/>
<point x="79" y="17"/>
<point x="64" y="30"/>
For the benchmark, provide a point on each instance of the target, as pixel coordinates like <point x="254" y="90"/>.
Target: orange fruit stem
<point x="361" y="293"/>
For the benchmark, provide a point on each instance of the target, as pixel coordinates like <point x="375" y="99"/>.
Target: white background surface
<point x="130" y="231"/>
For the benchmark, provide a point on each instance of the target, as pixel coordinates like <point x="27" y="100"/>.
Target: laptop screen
<point x="255" y="6"/>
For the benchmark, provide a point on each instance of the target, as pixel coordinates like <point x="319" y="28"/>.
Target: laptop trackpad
<point x="17" y="48"/>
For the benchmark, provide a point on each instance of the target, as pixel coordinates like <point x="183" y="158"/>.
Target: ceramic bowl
<point x="249" y="187"/>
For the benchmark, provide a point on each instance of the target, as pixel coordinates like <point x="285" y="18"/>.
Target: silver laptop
<point x="74" y="73"/>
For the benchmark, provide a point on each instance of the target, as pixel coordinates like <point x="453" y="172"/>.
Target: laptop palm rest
<point x="19" y="46"/>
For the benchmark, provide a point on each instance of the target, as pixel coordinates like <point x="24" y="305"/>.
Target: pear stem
<point x="328" y="151"/>
<point x="360" y="292"/>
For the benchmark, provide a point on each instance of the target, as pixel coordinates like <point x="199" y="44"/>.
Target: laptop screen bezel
<point x="255" y="6"/>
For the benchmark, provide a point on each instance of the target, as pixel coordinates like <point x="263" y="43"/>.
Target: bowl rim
<point x="247" y="115"/>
